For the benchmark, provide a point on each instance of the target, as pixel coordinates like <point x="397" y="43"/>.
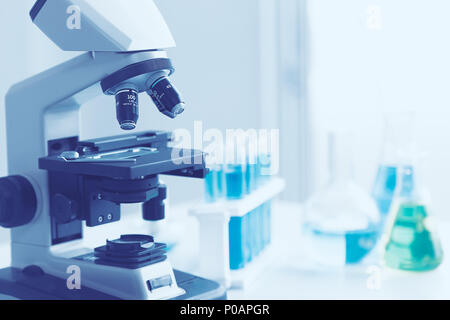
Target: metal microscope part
<point x="90" y="179"/>
<point x="127" y="108"/>
<point x="166" y="97"/>
<point x="151" y="76"/>
<point x="172" y="161"/>
<point x="82" y="189"/>
<point x="124" y="155"/>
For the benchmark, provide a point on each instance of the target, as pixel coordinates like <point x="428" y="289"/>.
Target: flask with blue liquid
<point x="384" y="187"/>
<point x="341" y="222"/>
<point x="397" y="138"/>
<point x="412" y="240"/>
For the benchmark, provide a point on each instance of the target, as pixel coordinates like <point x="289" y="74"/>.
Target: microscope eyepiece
<point x="166" y="97"/>
<point x="127" y="108"/>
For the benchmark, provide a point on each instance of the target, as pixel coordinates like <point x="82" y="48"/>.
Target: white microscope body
<point x="116" y="35"/>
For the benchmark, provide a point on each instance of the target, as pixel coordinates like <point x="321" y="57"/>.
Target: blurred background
<point x="302" y="66"/>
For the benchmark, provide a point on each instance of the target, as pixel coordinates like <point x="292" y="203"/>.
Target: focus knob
<point x="18" y="201"/>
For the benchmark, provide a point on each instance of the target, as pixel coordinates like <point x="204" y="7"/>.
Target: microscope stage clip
<point x="123" y="155"/>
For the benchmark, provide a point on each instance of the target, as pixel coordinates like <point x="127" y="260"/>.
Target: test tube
<point x="237" y="229"/>
<point x="257" y="235"/>
<point x="247" y="238"/>
<point x="214" y="184"/>
<point x="210" y="187"/>
<point x="234" y="180"/>
<point x="267" y="224"/>
<point x="220" y="182"/>
<point x="250" y="177"/>
<point x="264" y="168"/>
<point x="262" y="227"/>
<point x="251" y="172"/>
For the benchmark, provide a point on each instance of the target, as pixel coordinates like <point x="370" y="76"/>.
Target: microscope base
<point x="33" y="285"/>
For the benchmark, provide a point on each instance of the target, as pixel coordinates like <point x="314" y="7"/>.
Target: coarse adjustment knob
<point x="18" y="201"/>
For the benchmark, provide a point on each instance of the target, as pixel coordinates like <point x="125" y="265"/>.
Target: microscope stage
<point x="161" y="161"/>
<point x="123" y="157"/>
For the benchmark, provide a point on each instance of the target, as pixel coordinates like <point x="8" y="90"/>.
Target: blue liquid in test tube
<point x="220" y="182"/>
<point x="250" y="178"/>
<point x="247" y="237"/>
<point x="210" y="186"/>
<point x="235" y="182"/>
<point x="267" y="223"/>
<point x="258" y="225"/>
<point x="253" y="233"/>
<point x="264" y="168"/>
<point x="214" y="184"/>
<point x="237" y="229"/>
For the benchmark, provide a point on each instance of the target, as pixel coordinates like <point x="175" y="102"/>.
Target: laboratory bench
<point x="288" y="273"/>
<point x="291" y="275"/>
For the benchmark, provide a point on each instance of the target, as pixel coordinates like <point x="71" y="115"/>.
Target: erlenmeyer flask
<point x="413" y="243"/>
<point x="341" y="221"/>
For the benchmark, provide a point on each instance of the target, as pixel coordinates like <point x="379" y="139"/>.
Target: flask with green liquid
<point x="413" y="243"/>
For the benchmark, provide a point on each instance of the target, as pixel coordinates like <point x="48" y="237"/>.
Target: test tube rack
<point x="214" y="236"/>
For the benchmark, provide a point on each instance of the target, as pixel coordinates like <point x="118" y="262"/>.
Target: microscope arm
<point x="46" y="107"/>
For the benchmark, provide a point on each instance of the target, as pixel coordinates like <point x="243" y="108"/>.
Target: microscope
<point x="59" y="185"/>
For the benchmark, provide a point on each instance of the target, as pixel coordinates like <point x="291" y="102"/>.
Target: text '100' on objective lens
<point x="127" y="108"/>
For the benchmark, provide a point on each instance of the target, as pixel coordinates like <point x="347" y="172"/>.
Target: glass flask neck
<point x="407" y="181"/>
<point x="398" y="137"/>
<point x="410" y="184"/>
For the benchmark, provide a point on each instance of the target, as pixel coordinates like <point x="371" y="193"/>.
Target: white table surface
<point x="292" y="275"/>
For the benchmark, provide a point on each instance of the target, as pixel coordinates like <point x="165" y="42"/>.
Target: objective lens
<point x="166" y="97"/>
<point x="127" y="108"/>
